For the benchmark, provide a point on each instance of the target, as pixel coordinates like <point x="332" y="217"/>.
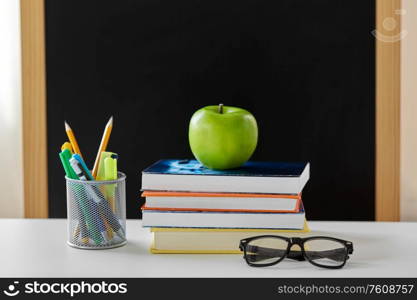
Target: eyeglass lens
<point x="266" y="250"/>
<point x="324" y="252"/>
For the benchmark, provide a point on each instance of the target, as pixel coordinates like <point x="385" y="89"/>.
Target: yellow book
<point x="210" y="240"/>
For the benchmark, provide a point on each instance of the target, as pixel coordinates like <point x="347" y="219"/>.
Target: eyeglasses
<point x="321" y="251"/>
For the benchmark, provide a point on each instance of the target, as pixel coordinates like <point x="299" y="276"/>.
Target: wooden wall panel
<point x="388" y="42"/>
<point x="34" y="109"/>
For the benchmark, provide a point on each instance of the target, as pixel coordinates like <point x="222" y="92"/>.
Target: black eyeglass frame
<point x="295" y="241"/>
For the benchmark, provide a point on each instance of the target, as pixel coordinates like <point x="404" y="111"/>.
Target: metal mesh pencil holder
<point x="96" y="213"/>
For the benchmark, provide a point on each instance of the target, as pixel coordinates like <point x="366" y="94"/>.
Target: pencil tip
<point x="67" y="127"/>
<point x="110" y="120"/>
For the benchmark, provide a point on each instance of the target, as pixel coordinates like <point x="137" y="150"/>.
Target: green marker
<point x="82" y="229"/>
<point x="84" y="215"/>
<point x="65" y="156"/>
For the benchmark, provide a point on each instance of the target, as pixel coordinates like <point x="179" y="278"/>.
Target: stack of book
<point x="192" y="209"/>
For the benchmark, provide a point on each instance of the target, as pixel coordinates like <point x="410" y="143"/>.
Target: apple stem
<point x="220" y="108"/>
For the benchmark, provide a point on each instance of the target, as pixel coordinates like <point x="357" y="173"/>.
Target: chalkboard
<point x="304" y="68"/>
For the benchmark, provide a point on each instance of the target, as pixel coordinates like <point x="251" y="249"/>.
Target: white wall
<point x="409" y="112"/>
<point x="11" y="165"/>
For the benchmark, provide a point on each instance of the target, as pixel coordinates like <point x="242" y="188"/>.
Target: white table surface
<point x="37" y="248"/>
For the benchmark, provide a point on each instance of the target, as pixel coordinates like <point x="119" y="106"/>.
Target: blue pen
<point x="77" y="167"/>
<point x="84" y="168"/>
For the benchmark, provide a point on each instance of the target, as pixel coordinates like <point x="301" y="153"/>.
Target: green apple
<point x="223" y="137"/>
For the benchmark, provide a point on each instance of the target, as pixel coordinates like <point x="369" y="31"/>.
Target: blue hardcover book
<point x="252" y="177"/>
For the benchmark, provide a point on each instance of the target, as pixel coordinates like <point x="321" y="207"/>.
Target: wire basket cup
<point x="96" y="213"/>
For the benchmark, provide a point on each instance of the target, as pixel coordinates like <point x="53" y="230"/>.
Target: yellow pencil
<point x="103" y="144"/>
<point x="72" y="139"/>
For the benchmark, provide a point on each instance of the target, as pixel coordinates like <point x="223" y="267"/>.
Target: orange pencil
<point x="103" y="145"/>
<point x="72" y="139"/>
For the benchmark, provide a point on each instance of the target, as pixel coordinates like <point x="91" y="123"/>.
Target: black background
<point x="304" y="68"/>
